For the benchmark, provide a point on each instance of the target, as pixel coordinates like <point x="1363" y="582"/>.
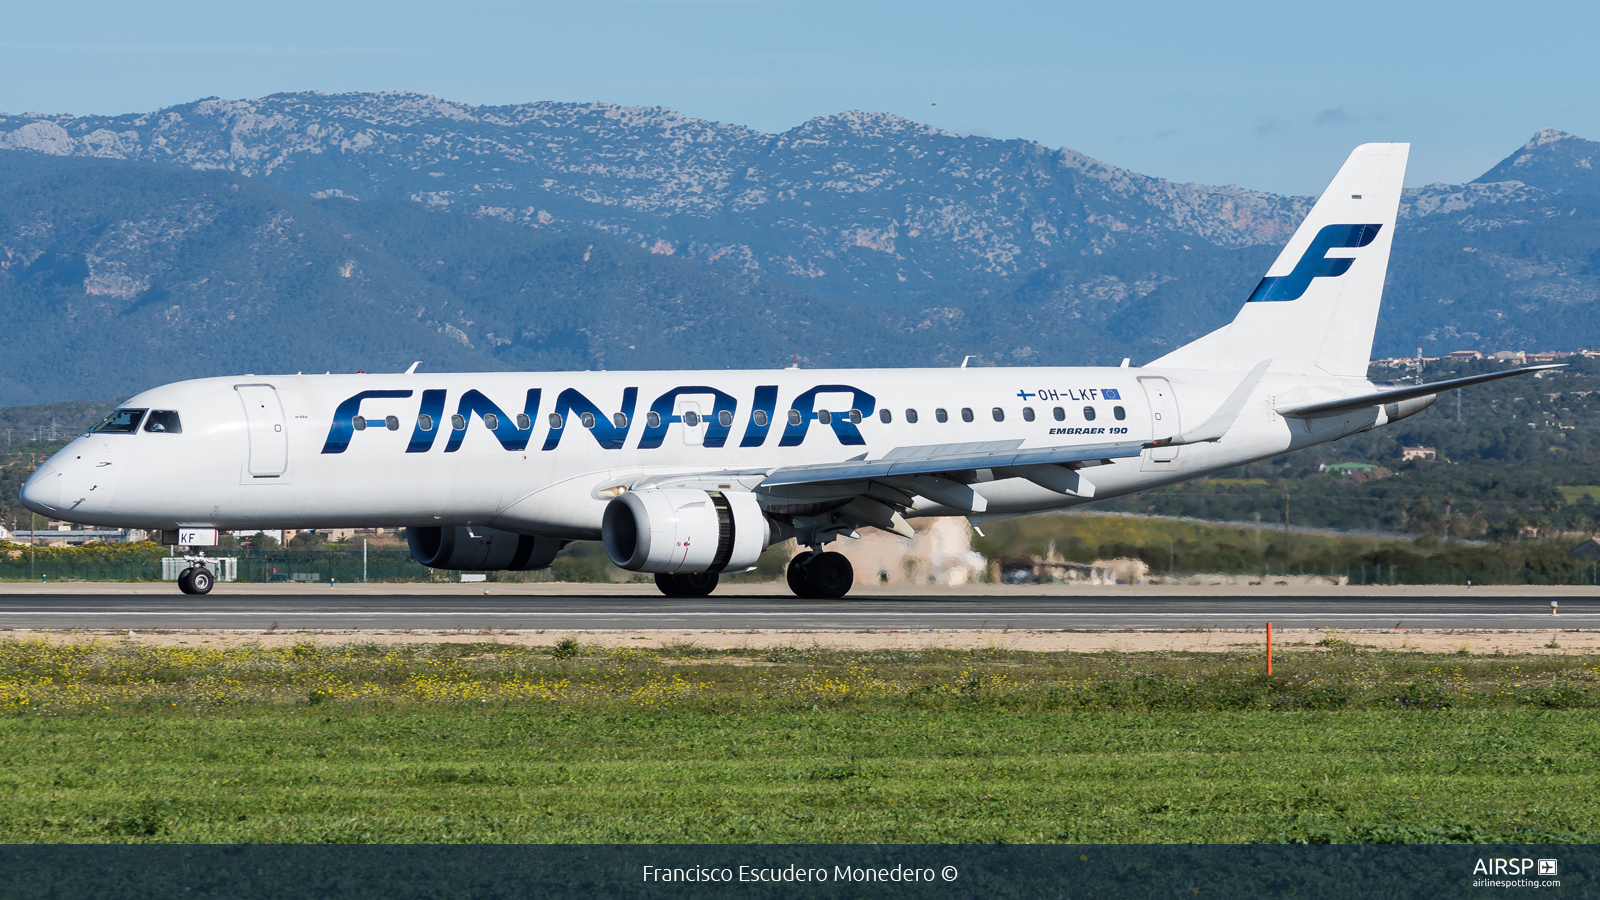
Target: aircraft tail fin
<point x="1316" y="310"/>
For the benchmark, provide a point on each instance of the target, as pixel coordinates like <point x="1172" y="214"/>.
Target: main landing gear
<point x="695" y="584"/>
<point x="196" y="579"/>
<point x="814" y="576"/>
<point x="821" y="576"/>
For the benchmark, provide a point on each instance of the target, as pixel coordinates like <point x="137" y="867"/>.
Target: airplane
<point x="691" y="474"/>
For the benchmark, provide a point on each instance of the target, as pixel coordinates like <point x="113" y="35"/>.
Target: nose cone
<point x="42" y="493"/>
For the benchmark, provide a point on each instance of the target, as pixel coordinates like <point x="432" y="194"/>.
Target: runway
<point x="644" y="611"/>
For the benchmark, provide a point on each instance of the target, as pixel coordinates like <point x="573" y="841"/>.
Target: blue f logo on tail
<point x="1314" y="263"/>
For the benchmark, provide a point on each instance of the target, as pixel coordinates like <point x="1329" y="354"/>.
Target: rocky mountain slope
<point x="363" y="231"/>
<point x="860" y="205"/>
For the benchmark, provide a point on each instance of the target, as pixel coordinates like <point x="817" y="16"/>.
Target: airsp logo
<point x="1314" y="263"/>
<point x="1547" y="867"/>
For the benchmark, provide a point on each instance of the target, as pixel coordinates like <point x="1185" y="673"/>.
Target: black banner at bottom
<point x="926" y="872"/>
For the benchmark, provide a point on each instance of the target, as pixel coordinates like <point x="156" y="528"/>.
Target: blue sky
<point x="1266" y="95"/>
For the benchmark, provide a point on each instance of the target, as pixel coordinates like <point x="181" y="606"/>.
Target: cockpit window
<point x="164" y="420"/>
<point x="123" y="421"/>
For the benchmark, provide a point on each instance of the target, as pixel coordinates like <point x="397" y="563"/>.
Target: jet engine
<point x="476" y="547"/>
<point x="678" y="530"/>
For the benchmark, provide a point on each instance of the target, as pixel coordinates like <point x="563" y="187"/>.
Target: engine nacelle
<point x="476" y="547"/>
<point x="675" y="530"/>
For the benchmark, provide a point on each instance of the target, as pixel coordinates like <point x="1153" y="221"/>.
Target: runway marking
<point x="732" y="614"/>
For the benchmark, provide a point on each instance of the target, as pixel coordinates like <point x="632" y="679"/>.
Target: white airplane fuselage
<point x="281" y="451"/>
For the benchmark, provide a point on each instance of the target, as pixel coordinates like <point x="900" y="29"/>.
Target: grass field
<point x="448" y="743"/>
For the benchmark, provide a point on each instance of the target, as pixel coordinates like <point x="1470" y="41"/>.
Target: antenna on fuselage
<point x="413" y="369"/>
<point x="965" y="360"/>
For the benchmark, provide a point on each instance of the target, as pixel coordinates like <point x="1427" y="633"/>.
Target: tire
<point x="821" y="576"/>
<point x="201" y="581"/>
<point x="699" y="584"/>
<point x="184" y="582"/>
<point x="694" y="584"/>
<point x="831" y="576"/>
<point x="796" y="575"/>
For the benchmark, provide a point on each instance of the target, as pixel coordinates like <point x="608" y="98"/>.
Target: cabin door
<point x="269" y="436"/>
<point x="1164" y="423"/>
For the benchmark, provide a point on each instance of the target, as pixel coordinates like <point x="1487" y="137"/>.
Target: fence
<point x="262" y="566"/>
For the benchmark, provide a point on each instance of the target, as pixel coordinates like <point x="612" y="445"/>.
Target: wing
<point x="931" y="459"/>
<point x="843" y="496"/>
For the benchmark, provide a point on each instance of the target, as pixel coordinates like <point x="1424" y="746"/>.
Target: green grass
<point x="1575" y="494"/>
<point x="470" y="743"/>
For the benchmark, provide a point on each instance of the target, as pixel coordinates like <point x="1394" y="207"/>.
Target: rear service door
<point x="1163" y="423"/>
<point x="269" y="437"/>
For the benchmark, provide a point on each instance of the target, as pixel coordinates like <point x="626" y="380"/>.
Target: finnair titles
<point x="688" y="474"/>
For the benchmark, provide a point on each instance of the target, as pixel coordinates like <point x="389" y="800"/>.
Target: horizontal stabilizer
<point x="1367" y="401"/>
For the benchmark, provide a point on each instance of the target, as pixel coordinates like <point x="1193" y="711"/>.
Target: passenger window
<point x="587" y="419"/>
<point x="1119" y="413"/>
<point x="459" y="422"/>
<point x="523" y="424"/>
<point x="941" y="415"/>
<point x="760" y="418"/>
<point x="491" y="422"/>
<point x="824" y="417"/>
<point x="966" y="414"/>
<point x="621" y="420"/>
<point x="122" y="421"/>
<point x="999" y="414"/>
<point x="1088" y="414"/>
<point x="165" y="421"/>
<point x="855" y="417"/>
<point x="691" y="419"/>
<point x="794" y="417"/>
<point x="555" y="420"/>
<point x="1059" y="413"/>
<point x="653" y="419"/>
<point x="885" y="416"/>
<point x="360" y="423"/>
<point x="1027" y="414"/>
<point x="391" y="422"/>
<point x="725" y="418"/>
<point x="424" y="422"/>
<point x="911" y="416"/>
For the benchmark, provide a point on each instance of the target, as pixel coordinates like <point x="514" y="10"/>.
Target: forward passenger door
<point x="269" y="435"/>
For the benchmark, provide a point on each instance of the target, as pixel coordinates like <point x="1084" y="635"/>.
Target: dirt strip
<point x="1473" y="641"/>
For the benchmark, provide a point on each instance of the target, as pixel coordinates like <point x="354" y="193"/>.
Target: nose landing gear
<point x="821" y="576"/>
<point x="196" y="579"/>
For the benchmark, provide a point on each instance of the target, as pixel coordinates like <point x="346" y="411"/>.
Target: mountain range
<point x="365" y="231"/>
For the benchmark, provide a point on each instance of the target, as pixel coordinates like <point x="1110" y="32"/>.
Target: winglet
<point x="1215" y="427"/>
